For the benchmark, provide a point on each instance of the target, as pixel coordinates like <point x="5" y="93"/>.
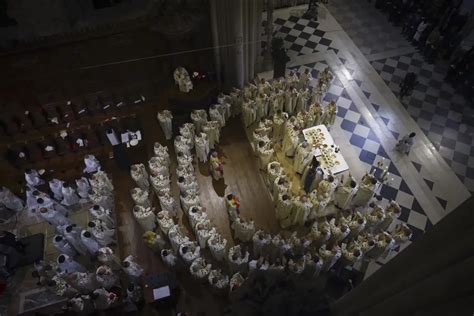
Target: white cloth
<point x="302" y="158"/>
<point x="202" y="147"/>
<point x="134" y="270"/>
<point x="189" y="251"/>
<point x="106" y="256"/>
<point x="104" y="235"/>
<point x="140" y="197"/>
<point x="164" y="221"/>
<point x="217" y="245"/>
<point x="168" y="204"/>
<point x="33" y="178"/>
<point x="168" y="258"/>
<point x="73" y="236"/>
<point x="243" y="230"/>
<point x="140" y="176"/>
<point x="103" y="214"/>
<point x="106" y="277"/>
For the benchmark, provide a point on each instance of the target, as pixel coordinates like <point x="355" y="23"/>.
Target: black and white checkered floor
<point x="434" y="105"/>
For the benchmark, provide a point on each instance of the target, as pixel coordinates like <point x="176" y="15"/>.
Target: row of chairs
<point x="77" y="141"/>
<point x="37" y="117"/>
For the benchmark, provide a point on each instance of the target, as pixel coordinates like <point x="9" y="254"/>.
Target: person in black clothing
<point x="407" y="85"/>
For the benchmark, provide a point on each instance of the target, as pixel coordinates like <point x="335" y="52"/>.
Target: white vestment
<point x="91" y="244"/>
<point x="70" y="265"/>
<point x="164" y="118"/>
<point x="62" y="245"/>
<point x="56" y="187"/>
<point x="92" y="164"/>
<point x="69" y="196"/>
<point x="83" y="188"/>
<point x="145" y="216"/>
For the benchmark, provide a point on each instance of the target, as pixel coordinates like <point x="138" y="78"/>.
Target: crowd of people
<point x="344" y="223"/>
<point x="86" y="270"/>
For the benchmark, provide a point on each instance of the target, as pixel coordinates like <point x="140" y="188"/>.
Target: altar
<point x="325" y="150"/>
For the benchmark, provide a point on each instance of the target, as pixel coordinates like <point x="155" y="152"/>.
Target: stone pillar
<point x="216" y="42"/>
<point x="239" y="45"/>
<point x="267" y="60"/>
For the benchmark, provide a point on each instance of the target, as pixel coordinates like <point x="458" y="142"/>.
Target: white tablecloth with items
<point x="328" y="153"/>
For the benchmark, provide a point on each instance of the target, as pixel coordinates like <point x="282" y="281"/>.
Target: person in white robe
<point x="140" y="197"/>
<point x="344" y="193"/>
<point x="392" y="212"/>
<point x="63" y="246"/>
<point x="103" y="299"/>
<point x="69" y="265"/>
<point x="70" y="196"/>
<point x="375" y="216"/>
<point x="384" y="243"/>
<point x="211" y="129"/>
<point x="164" y="118"/>
<point x="91" y="244"/>
<point x="183" y="145"/>
<point x="106" y="256"/>
<point x="290" y="141"/>
<point x="106" y="216"/>
<point x="279" y="119"/>
<point x="32" y="195"/>
<point x="145" y="217"/>
<point x="366" y="190"/>
<point x="216" y="166"/>
<point x="106" y="277"/>
<point x="404" y="145"/>
<point x="73" y="237"/>
<point x="338" y="233"/>
<point x="301" y="210"/>
<point x="169" y="258"/>
<point x="56" y="187"/>
<point x="329" y="115"/>
<point x="84" y="282"/>
<point x="168" y="204"/>
<point x="182" y="79"/>
<point x="177" y="237"/>
<point x="319" y="234"/>
<point x="105" y="236"/>
<point x="92" y="164"/>
<point x="232" y="205"/>
<point x="243" y="230"/>
<point x="329" y="257"/>
<point x="401" y="234"/>
<point x="164" y="221"/>
<point x="265" y="153"/>
<point x="218" y="246"/>
<point x="102" y="200"/>
<point x="32" y="178"/>
<point x="202" y="147"/>
<point x="161" y="152"/>
<point x="186" y="184"/>
<point x="204" y="231"/>
<point x="157" y="167"/>
<point x="199" y="118"/>
<point x="140" y="176"/>
<point x="161" y="184"/>
<point x="284" y="210"/>
<point x="219" y="282"/>
<point x="190" y="199"/>
<point x="10" y="200"/>
<point x="103" y="182"/>
<point x="351" y="254"/>
<point x="302" y="158"/>
<point x="236" y="281"/>
<point x="132" y="268"/>
<point x="196" y="214"/>
<point x="261" y="242"/>
<point x="274" y="170"/>
<point x="238" y="259"/>
<point x="280" y="186"/>
<point x="189" y="251"/>
<point x="80" y="305"/>
<point x="249" y="112"/>
<point x="53" y="217"/>
<point x="356" y="225"/>
<point x="83" y="188"/>
<point x="216" y="115"/>
<point x="200" y="269"/>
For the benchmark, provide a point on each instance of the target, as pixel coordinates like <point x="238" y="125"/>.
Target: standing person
<point x="92" y="164"/>
<point x="32" y="178"/>
<point x="165" y="118"/>
<point x="302" y="158"/>
<point x="132" y="268"/>
<point x="10" y="200"/>
<point x="56" y="186"/>
<point x="312" y="176"/>
<point x="202" y="147"/>
<point x="404" y="145"/>
<point x="70" y="197"/>
<point x="232" y="205"/>
<point x="216" y="166"/>
<point x="408" y="84"/>
<point x="419" y="30"/>
<point x="140" y="176"/>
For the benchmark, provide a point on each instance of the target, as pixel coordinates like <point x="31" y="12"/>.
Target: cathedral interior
<point x="326" y="147"/>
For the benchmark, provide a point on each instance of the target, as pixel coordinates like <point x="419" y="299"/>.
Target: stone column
<point x="267" y="60"/>
<point x="239" y="45"/>
<point x="215" y="41"/>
